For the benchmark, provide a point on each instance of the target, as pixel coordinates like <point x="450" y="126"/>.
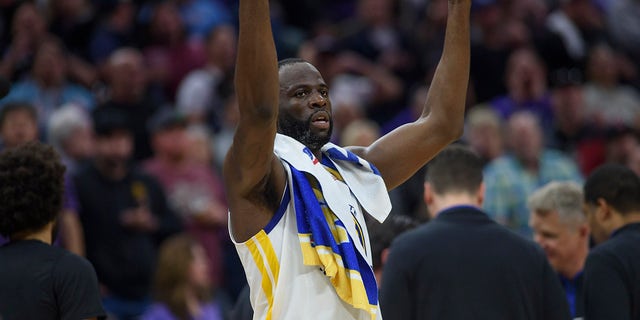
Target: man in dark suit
<point x="463" y="265"/>
<point x="612" y="270"/>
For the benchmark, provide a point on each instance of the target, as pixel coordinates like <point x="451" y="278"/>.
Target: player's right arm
<point x="254" y="178"/>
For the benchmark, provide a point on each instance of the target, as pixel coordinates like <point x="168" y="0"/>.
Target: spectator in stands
<point x="128" y="90"/>
<point x="202" y="92"/>
<point x="125" y="216"/>
<point x="526" y="81"/>
<point x="623" y="22"/>
<point x="560" y="227"/>
<point x="527" y="165"/>
<point x="48" y="86"/>
<point x="611" y="278"/>
<point x="607" y="101"/>
<point x="201" y="16"/>
<point x="28" y="29"/>
<point x="18" y="124"/>
<point x="116" y="30"/>
<point x="194" y="192"/>
<point x="463" y="265"/>
<point x="70" y="132"/>
<point x="579" y="24"/>
<point x="183" y="288"/>
<point x="170" y="56"/>
<point x="484" y="133"/>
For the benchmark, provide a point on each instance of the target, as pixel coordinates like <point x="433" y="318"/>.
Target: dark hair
<point x="18" y="106"/>
<point x="382" y="234"/>
<point x="289" y="61"/>
<point x="618" y="185"/>
<point x="172" y="274"/>
<point x="31" y="188"/>
<point x="455" y="169"/>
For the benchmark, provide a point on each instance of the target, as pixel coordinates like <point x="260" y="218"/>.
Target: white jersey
<point x="282" y="287"/>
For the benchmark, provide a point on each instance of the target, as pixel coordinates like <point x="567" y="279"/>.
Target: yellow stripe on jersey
<point x="266" y="260"/>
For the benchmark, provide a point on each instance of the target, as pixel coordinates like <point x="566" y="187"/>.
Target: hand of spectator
<point x="139" y="219"/>
<point x="213" y="215"/>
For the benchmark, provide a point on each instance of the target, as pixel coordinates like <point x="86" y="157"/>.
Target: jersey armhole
<point x="286" y="197"/>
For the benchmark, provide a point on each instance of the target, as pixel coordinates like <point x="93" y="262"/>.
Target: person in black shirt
<point x="462" y="264"/>
<point x="612" y="270"/>
<point x="38" y="280"/>
<point x="125" y="216"/>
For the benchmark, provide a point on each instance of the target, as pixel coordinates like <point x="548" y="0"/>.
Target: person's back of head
<point x="612" y="199"/>
<point x="31" y="188"/>
<point x="453" y="178"/>
<point x="617" y="185"/>
<point x="456" y="169"/>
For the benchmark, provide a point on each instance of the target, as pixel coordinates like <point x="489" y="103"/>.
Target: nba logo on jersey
<point x="310" y="154"/>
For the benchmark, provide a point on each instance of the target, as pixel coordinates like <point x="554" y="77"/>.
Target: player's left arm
<point x="400" y="153"/>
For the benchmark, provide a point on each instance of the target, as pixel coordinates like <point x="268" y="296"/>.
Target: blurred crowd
<point x="138" y="98"/>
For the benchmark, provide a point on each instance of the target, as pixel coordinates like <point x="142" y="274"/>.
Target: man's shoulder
<point x="616" y="248"/>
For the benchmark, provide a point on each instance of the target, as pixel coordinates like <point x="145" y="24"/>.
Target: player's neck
<point x="43" y="235"/>
<point x="630" y="218"/>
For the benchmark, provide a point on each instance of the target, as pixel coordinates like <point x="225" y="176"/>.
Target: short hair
<point x="563" y="197"/>
<point x="618" y="185"/>
<point x="455" y="169"/>
<point x="31" y="188"/>
<point x="64" y="122"/>
<point x="289" y="61"/>
<point x="18" y="106"/>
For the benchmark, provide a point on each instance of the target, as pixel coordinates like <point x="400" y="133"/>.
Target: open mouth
<point x="321" y="120"/>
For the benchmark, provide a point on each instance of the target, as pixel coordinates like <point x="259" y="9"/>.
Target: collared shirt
<point x="573" y="291"/>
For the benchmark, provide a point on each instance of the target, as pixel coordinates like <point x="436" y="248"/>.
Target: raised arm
<point x="249" y="167"/>
<point x="400" y="153"/>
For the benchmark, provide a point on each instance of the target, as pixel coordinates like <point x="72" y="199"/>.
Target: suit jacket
<point x="463" y="265"/>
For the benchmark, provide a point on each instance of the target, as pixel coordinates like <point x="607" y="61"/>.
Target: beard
<point x="301" y="131"/>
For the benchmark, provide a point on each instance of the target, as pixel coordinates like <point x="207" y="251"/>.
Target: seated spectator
<point x="18" y="124"/>
<point x="526" y="81"/>
<point x="201" y="93"/>
<point x="194" y="192"/>
<point x="28" y="30"/>
<point x="128" y="90"/>
<point x="200" y="16"/>
<point x="560" y="227"/>
<point x="484" y="133"/>
<point x="39" y="281"/>
<point x="70" y="132"/>
<point x="48" y="86"/>
<point x="116" y="30"/>
<point x="182" y="287"/>
<point x="127" y="207"/>
<point x="607" y="101"/>
<point x="169" y="55"/>
<point x="527" y="165"/>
